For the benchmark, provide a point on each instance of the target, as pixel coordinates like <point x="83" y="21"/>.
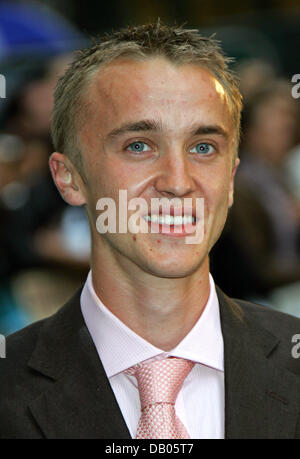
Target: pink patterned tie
<point x="159" y="383"/>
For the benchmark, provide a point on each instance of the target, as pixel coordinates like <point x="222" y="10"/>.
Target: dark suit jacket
<point x="53" y="385"/>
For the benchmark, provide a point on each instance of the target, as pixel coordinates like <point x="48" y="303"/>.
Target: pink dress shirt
<point x="200" y="402"/>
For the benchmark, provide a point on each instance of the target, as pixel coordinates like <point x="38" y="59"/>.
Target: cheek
<point x="217" y="196"/>
<point x="106" y="180"/>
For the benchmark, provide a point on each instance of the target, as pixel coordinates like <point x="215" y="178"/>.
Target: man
<point x="152" y="111"/>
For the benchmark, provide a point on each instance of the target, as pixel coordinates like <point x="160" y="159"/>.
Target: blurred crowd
<point x="45" y="244"/>
<point x="258" y="256"/>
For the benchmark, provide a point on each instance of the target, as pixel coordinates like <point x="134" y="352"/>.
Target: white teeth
<point x="170" y="220"/>
<point x="178" y="220"/>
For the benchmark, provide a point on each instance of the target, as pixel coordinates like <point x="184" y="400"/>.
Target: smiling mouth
<point x="175" y="223"/>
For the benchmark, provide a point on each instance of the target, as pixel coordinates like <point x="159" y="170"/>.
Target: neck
<point x="160" y="310"/>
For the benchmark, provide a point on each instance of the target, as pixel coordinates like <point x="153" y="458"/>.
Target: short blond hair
<point x="176" y="43"/>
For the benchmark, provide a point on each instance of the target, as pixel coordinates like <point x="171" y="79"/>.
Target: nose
<point x="175" y="176"/>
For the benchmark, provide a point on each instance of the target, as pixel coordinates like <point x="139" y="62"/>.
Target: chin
<point x="173" y="268"/>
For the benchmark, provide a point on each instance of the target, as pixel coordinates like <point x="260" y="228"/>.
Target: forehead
<point x="127" y="89"/>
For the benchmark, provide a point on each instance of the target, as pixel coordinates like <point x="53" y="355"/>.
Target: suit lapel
<point x="76" y="400"/>
<point x="259" y="395"/>
<point x="80" y="402"/>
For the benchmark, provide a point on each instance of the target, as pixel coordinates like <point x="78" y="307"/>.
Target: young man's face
<point x="158" y="130"/>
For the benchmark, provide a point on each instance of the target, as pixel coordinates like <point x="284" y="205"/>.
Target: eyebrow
<point x="154" y="126"/>
<point x="210" y="129"/>
<point x="143" y="125"/>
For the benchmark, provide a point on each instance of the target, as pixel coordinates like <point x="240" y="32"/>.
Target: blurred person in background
<point x="293" y="171"/>
<point x="265" y="220"/>
<point x="12" y="196"/>
<point x="34" y="218"/>
<point x="254" y="74"/>
<point x="29" y="112"/>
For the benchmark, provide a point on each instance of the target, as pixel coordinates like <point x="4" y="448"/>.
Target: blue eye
<point x="138" y="147"/>
<point x="202" y="148"/>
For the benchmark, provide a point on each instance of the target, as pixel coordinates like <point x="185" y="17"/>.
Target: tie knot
<point x="160" y="380"/>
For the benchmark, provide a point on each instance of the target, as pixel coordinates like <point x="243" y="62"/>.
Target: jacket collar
<point x="259" y="397"/>
<point x="80" y="403"/>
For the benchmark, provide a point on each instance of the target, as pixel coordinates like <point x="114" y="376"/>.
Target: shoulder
<point x="21" y="345"/>
<point x="33" y="356"/>
<point x="283" y="327"/>
<point x="261" y="329"/>
<point x="277" y="322"/>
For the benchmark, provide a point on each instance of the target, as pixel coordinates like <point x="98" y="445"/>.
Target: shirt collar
<point x="119" y="347"/>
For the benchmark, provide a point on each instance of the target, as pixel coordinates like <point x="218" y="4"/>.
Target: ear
<point x="66" y="179"/>
<point x="231" y="189"/>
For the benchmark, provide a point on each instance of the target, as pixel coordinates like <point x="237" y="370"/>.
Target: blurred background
<point x="45" y="244"/>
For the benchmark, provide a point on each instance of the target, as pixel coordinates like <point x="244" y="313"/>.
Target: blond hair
<point x="175" y="43"/>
